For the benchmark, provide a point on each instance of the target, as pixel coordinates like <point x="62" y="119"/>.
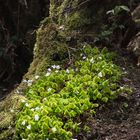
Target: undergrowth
<point x="57" y="99"/>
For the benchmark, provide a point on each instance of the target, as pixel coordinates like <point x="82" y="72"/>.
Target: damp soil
<point x="120" y="119"/>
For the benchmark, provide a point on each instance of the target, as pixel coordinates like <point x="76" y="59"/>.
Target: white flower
<point x="100" y="57"/>
<point x="24" y="81"/>
<point x="37" y="108"/>
<point x="57" y="67"/>
<point x="121" y="87"/>
<point x="84" y="57"/>
<point x="44" y="99"/>
<point x="29" y="127"/>
<point x="56" y="71"/>
<point x="36" y="117"/>
<point x="74" y="139"/>
<point x="67" y="71"/>
<point x="32" y="109"/>
<point x="47" y="138"/>
<point x="9" y="127"/>
<point x="61" y="27"/>
<point x="17" y="91"/>
<point x="49" y="70"/>
<point x="49" y="89"/>
<point x="125" y="72"/>
<point x="76" y="69"/>
<point x="53" y="66"/>
<point x="37" y="76"/>
<point x="26" y="104"/>
<point x="23" y="123"/>
<point x="23" y="101"/>
<point x="53" y="129"/>
<point x="100" y="74"/>
<point x="12" y="110"/>
<point x="123" y="68"/>
<point x="29" y="82"/>
<point x="47" y="74"/>
<point x="84" y="46"/>
<point x="24" y="139"/>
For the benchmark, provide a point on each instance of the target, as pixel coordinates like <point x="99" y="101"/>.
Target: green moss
<point x="6" y="119"/>
<point x="4" y="135"/>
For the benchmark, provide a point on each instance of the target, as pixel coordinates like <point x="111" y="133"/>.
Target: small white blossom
<point x="53" y="66"/>
<point x="29" y="127"/>
<point x="26" y="104"/>
<point x="24" y="139"/>
<point x="36" y="117"/>
<point x="53" y="129"/>
<point x="100" y="74"/>
<point x="121" y="87"/>
<point x="74" y="139"/>
<point x="12" y="110"/>
<point x="47" y="74"/>
<point x="32" y="109"/>
<point x="23" y="101"/>
<point x="37" y="76"/>
<point x="23" y="123"/>
<point x="49" y="69"/>
<point x="84" y="46"/>
<point x="61" y="27"/>
<point x="56" y="71"/>
<point x="67" y="71"/>
<point x="57" y="67"/>
<point x="49" y="89"/>
<point x="9" y="127"/>
<point x="47" y="138"/>
<point x="17" y="91"/>
<point x="84" y="57"/>
<point x="29" y="82"/>
<point x="37" y="108"/>
<point x="125" y="72"/>
<point x="44" y="99"/>
<point x="76" y="69"/>
<point x="100" y="57"/>
<point x="24" y="81"/>
<point x="123" y="68"/>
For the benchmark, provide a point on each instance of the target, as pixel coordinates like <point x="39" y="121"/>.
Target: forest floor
<point x="120" y="119"/>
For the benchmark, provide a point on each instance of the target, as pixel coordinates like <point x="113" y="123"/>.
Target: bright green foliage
<point x="56" y="99"/>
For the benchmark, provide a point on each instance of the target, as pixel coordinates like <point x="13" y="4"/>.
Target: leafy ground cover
<point x="56" y="101"/>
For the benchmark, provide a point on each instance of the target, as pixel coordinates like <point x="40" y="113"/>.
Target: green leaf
<point x="105" y="99"/>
